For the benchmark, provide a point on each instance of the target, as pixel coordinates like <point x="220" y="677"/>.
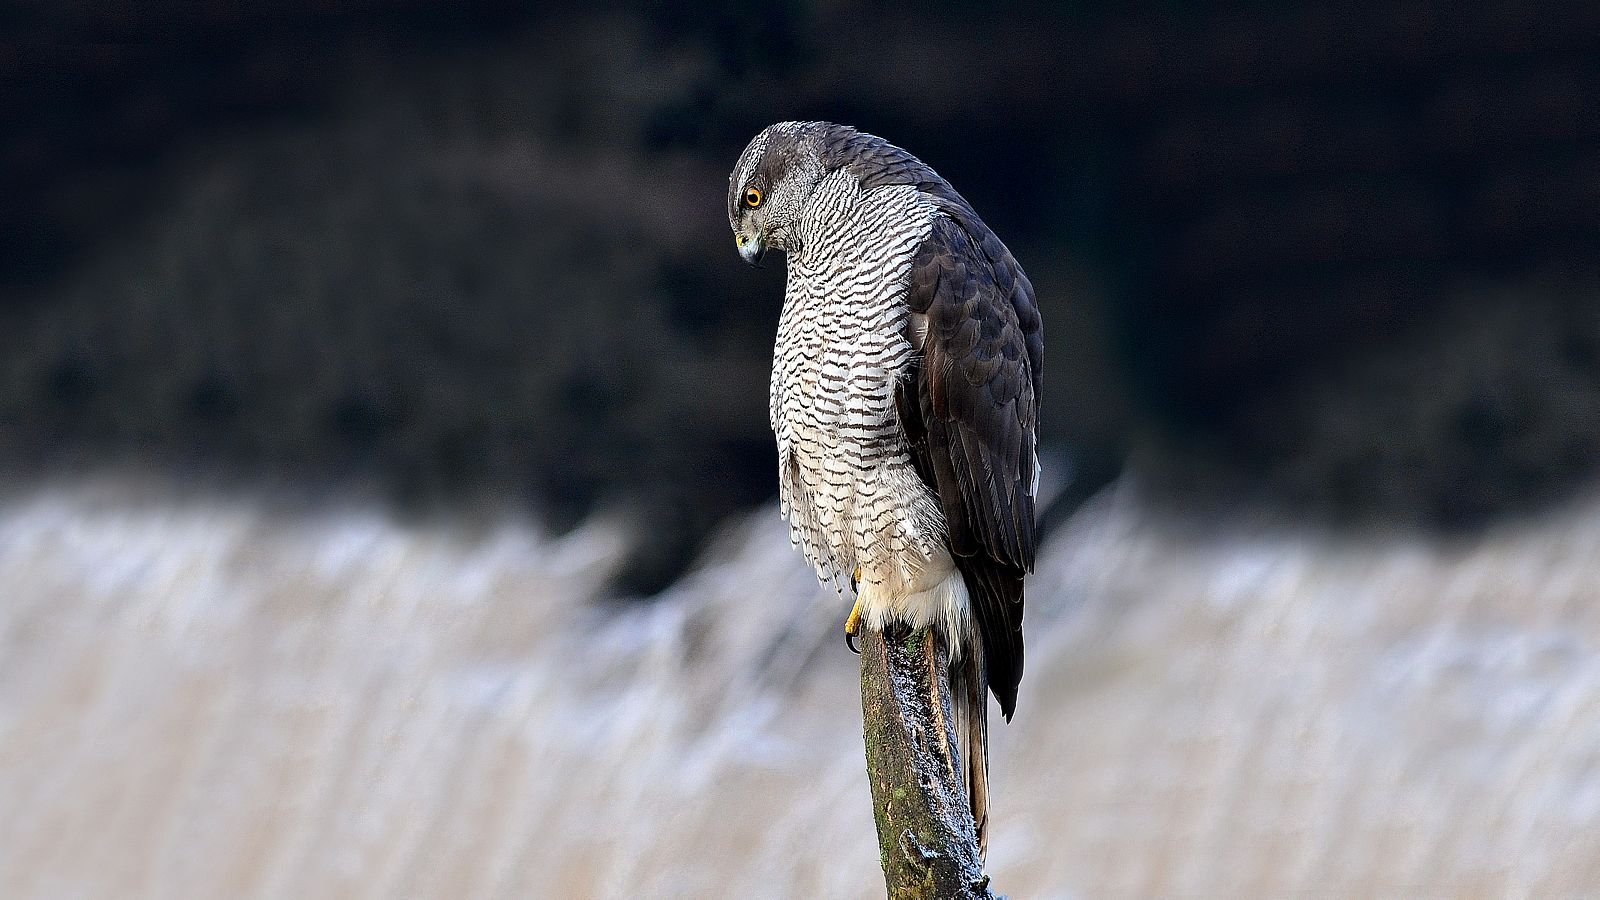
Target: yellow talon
<point x="852" y="625"/>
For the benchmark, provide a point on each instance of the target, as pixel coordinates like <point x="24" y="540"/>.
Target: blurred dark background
<point x="1343" y="257"/>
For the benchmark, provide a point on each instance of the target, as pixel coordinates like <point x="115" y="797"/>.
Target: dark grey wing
<point x="970" y="404"/>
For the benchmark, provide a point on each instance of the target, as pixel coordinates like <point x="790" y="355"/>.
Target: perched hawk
<point x="905" y="399"/>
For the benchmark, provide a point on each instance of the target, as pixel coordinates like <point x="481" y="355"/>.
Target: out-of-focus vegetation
<point x="479" y="248"/>
<point x="208" y="695"/>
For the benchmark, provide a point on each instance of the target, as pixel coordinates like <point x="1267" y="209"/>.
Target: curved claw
<point x="852" y="627"/>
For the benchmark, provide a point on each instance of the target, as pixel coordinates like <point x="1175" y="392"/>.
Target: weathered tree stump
<point x="926" y="839"/>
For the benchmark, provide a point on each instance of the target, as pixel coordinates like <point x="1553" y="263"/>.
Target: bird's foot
<point x="852" y="627"/>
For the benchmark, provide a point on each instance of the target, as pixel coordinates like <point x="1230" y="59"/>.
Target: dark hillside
<point x="1336" y="253"/>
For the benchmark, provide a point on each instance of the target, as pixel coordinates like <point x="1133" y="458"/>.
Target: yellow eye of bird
<point x="752" y="198"/>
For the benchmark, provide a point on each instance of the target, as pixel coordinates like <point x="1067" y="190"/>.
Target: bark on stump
<point x="926" y="839"/>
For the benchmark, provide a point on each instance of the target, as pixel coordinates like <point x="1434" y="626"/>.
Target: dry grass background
<point x="212" y="694"/>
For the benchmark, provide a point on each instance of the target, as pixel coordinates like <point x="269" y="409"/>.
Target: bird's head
<point x="772" y="183"/>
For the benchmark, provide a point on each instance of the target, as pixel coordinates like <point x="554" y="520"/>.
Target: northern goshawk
<point x="905" y="399"/>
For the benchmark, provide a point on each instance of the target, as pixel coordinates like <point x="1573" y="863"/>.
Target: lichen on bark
<point x="926" y="839"/>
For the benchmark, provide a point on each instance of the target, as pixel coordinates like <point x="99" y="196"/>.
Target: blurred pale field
<point x="231" y="695"/>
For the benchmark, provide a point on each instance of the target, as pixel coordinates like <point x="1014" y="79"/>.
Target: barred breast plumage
<point x="855" y="504"/>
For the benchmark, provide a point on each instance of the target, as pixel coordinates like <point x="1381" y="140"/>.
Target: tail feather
<point x="969" y="700"/>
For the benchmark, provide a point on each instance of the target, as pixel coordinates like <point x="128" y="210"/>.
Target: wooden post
<point x="926" y="839"/>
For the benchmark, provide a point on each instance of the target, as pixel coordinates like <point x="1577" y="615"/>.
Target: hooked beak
<point x="751" y="248"/>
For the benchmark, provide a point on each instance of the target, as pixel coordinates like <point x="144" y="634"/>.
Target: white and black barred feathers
<point x="851" y="495"/>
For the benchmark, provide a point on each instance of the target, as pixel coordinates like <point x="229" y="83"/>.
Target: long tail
<point x="969" y="700"/>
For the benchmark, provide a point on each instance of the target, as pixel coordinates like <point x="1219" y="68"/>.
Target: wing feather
<point x="969" y="404"/>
